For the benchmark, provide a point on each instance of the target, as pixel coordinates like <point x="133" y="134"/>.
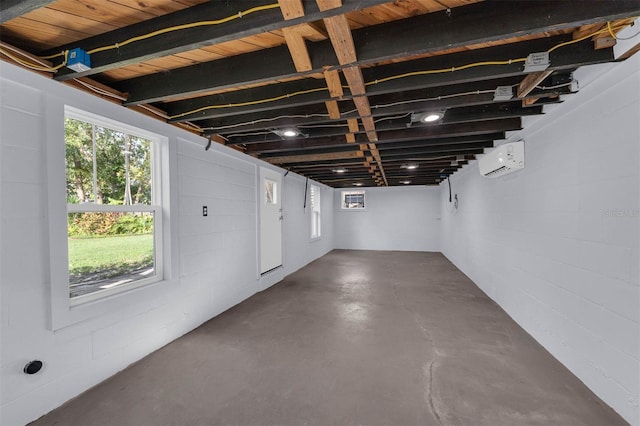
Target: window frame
<point x="65" y="310"/>
<point x="353" y="192"/>
<point x="155" y="207"/>
<point x="316" y="212"/>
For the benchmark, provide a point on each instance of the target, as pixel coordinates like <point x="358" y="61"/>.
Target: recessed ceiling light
<point x="357" y="183"/>
<point x="340" y="170"/>
<point x="409" y="166"/>
<point x="287" y="132"/>
<point x="405" y="182"/>
<point x="431" y="117"/>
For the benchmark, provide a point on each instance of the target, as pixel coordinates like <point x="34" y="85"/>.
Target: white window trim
<point x="64" y="310"/>
<point x="353" y="191"/>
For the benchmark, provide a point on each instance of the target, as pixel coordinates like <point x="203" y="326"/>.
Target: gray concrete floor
<point x="356" y="337"/>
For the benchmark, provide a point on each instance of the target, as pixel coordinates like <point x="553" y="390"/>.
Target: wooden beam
<point x="298" y="49"/>
<point x="334" y="110"/>
<point x="362" y="104"/>
<point x="291" y="9"/>
<point x="341" y="39"/>
<point x="603" y="41"/>
<point x="355" y="80"/>
<point x="351" y="138"/>
<point x="332" y="77"/>
<point x="531" y="81"/>
<point x="368" y="124"/>
<point x="353" y="125"/>
<point x="585" y="30"/>
<point x="10" y="9"/>
<point x="319" y="29"/>
<point x="328" y="4"/>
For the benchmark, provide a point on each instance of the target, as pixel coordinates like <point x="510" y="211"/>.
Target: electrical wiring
<point x="30" y="65"/>
<point x="100" y="91"/>
<point x="177" y="28"/>
<point x="390" y="78"/>
<point x="249" y="103"/>
<point x="435" y="98"/>
<point x="611" y="30"/>
<point x="263" y="120"/>
<point x="579" y="39"/>
<point x="322" y="125"/>
<point x="392" y="118"/>
<point x="630" y="37"/>
<point x="237" y="135"/>
<point x="557" y="86"/>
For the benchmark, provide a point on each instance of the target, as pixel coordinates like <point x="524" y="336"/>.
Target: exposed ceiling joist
<point x="169" y="43"/>
<point x="378" y="78"/>
<point x="388" y="41"/>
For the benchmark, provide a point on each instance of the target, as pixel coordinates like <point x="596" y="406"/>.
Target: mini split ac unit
<point x="503" y="160"/>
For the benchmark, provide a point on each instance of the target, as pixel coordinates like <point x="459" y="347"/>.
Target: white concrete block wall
<point x="394" y="218"/>
<point x="212" y="263"/>
<point x="556" y="245"/>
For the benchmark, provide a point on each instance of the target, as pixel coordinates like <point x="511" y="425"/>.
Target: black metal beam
<point x="481" y="112"/>
<point x="180" y="109"/>
<point x="562" y="60"/>
<point x="441" y="149"/>
<point x="472" y="24"/>
<point x="407" y="134"/>
<point x="192" y="38"/>
<point x="10" y="9"/>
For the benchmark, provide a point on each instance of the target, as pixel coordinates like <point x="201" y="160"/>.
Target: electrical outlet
<point x="205" y="211"/>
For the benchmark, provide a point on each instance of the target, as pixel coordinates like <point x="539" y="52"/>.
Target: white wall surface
<point x="556" y="245"/>
<point x="212" y="263"/>
<point x="395" y="218"/>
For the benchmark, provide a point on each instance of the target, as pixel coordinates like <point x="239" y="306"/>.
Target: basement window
<point x="353" y="200"/>
<point x="314" y="200"/>
<point x="114" y="213"/>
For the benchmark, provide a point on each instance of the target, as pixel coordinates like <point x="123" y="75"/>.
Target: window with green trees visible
<point x="112" y="207"/>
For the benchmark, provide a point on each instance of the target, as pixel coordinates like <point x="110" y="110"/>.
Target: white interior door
<point x="270" y="220"/>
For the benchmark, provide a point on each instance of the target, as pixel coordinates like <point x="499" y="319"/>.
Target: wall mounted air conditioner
<point x="503" y="160"/>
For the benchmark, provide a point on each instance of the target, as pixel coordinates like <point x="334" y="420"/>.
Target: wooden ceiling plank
<point x="351" y="138"/>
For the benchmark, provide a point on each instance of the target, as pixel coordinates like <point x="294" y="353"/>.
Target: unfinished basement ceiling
<point x="352" y="78"/>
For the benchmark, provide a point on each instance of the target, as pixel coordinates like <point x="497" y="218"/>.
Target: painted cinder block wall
<point x="394" y="218"/>
<point x="213" y="261"/>
<point x="556" y="244"/>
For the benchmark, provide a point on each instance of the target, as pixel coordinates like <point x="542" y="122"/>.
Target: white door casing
<point x="270" y="219"/>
